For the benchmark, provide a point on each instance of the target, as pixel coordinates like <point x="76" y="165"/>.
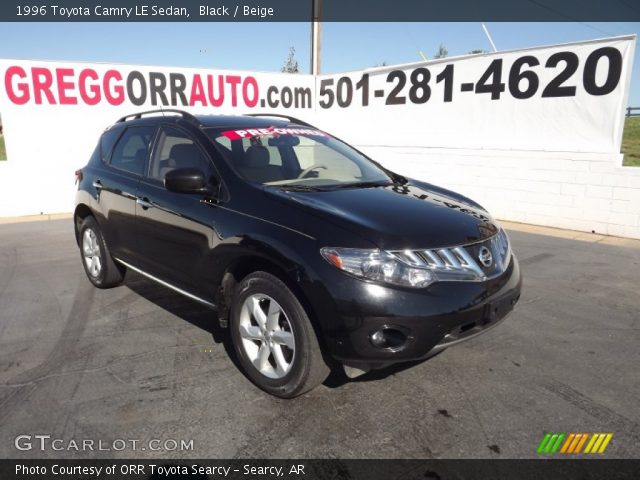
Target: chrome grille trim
<point x="460" y="263"/>
<point x="469" y="262"/>
<point x="449" y="259"/>
<point x="433" y="257"/>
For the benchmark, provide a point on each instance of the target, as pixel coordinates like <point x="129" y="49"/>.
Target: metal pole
<point x="316" y="6"/>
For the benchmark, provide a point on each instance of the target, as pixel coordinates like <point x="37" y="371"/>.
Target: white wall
<point x="578" y="191"/>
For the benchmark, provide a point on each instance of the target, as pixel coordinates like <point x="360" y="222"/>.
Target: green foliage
<point x="631" y="142"/>
<point x="291" y="65"/>
<point x="442" y="52"/>
<point x="3" y="152"/>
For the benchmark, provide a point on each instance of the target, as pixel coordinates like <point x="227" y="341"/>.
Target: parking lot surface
<point x="139" y="362"/>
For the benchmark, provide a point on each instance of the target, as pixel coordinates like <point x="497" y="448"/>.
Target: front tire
<point x="274" y="338"/>
<point x="98" y="264"/>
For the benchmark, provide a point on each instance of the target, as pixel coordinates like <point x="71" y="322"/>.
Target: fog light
<point x="389" y="338"/>
<point x="378" y="339"/>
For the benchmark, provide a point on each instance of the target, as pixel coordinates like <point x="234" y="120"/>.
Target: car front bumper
<point x="432" y="319"/>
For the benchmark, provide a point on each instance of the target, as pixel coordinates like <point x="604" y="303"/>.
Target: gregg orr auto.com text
<point x="73" y="86"/>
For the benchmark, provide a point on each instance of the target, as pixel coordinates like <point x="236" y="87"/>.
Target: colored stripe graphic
<point x="593" y="439"/>
<point x="605" y="443"/>
<point x="556" y="445"/>
<point x="568" y="442"/>
<point x="551" y="442"/>
<point x="543" y="443"/>
<point x="573" y="443"/>
<point x="598" y="442"/>
<point x="581" y="442"/>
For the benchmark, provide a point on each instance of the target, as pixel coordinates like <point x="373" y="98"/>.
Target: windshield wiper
<point x="379" y="183"/>
<point x="402" y="180"/>
<point x="298" y="188"/>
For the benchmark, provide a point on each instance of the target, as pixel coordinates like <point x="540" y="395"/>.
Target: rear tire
<point x="274" y="338"/>
<point x="97" y="261"/>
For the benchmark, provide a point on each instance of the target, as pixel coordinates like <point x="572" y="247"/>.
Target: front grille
<point x="472" y="262"/>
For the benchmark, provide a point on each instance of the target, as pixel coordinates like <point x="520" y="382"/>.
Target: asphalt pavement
<point x="139" y="363"/>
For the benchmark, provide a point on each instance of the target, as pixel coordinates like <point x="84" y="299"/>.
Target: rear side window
<point x="107" y="141"/>
<point x="131" y="152"/>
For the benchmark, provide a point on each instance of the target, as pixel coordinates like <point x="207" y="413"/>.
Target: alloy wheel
<point x="267" y="337"/>
<point x="91" y="253"/>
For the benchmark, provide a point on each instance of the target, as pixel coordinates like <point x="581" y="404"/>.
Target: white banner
<point x="565" y="98"/>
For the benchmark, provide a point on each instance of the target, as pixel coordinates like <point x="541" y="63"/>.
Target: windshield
<point x="295" y="157"/>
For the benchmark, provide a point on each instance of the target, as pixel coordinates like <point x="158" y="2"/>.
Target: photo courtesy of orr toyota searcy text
<point x="162" y="471"/>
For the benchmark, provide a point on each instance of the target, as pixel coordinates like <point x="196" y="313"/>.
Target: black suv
<point x="311" y="252"/>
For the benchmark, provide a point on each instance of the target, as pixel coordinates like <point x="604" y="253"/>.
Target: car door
<point x="117" y="184"/>
<point x="176" y="231"/>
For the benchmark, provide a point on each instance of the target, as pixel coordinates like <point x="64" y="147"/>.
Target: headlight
<point x="377" y="265"/>
<point x="475" y="262"/>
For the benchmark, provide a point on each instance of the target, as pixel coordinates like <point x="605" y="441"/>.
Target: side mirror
<point x="186" y="180"/>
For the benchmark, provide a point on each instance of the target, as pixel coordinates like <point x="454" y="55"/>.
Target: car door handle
<point x="144" y="203"/>
<point x="97" y="184"/>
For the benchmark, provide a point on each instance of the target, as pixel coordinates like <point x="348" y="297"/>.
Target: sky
<point x="264" y="46"/>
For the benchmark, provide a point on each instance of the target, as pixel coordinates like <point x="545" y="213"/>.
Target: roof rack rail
<point x="275" y="115"/>
<point x="137" y="116"/>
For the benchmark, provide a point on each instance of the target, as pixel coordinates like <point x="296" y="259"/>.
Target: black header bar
<point x="332" y="10"/>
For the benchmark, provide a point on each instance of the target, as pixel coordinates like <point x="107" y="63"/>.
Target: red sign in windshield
<point x="257" y="132"/>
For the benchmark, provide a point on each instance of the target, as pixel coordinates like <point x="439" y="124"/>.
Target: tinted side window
<point x="176" y="149"/>
<point x="131" y="151"/>
<point x="107" y="141"/>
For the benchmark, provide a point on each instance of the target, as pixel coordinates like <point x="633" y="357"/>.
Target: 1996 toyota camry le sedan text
<point x="312" y="253"/>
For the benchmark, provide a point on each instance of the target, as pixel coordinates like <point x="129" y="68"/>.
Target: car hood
<point x="411" y="216"/>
